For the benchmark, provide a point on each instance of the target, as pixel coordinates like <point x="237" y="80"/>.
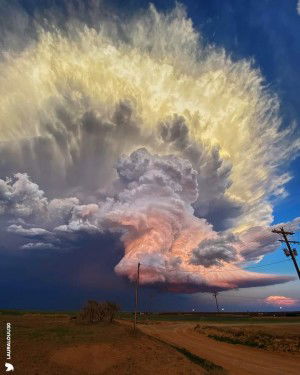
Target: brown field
<point x="54" y="344"/>
<point x="237" y="358"/>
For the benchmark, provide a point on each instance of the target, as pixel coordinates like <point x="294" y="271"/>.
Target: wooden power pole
<point x="289" y="251"/>
<point x="215" y="295"/>
<point x="136" y="296"/>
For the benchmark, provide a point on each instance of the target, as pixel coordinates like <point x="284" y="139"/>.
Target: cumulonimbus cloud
<point x="152" y="211"/>
<point x="135" y="126"/>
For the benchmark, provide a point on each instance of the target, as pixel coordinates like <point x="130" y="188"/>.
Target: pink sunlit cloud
<point x="281" y="301"/>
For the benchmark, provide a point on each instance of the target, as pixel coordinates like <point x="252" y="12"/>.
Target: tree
<point x="90" y="312"/>
<point x="111" y="310"/>
<point x="94" y="311"/>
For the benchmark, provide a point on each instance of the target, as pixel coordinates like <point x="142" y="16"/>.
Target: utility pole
<point x="289" y="251"/>
<point x="136" y="296"/>
<point x="215" y="295"/>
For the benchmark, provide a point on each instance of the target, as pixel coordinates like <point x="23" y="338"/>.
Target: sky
<point x="163" y="133"/>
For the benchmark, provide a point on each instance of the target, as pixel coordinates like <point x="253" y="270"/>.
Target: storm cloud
<point x="151" y="212"/>
<point x="132" y="127"/>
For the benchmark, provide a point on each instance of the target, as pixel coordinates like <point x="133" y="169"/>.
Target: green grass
<point x="56" y="333"/>
<point x="236" y="341"/>
<point x="64" y="333"/>
<point x="39" y="312"/>
<point x="216" y="318"/>
<point x="12" y="312"/>
<point x="210" y="319"/>
<point x="204" y="363"/>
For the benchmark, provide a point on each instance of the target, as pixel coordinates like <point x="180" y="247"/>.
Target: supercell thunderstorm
<point x="135" y="126"/>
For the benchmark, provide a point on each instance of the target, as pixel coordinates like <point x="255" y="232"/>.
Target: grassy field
<point x="53" y="344"/>
<point x="229" y="319"/>
<point x="36" y="312"/>
<point x="180" y="317"/>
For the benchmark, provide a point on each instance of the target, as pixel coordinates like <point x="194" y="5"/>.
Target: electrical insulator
<point x="286" y="252"/>
<point x="295" y="252"/>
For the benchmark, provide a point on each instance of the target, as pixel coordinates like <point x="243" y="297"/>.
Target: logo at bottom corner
<point x="9" y="367"/>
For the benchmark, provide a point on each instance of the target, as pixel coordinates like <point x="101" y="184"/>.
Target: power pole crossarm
<point x="290" y="252"/>
<point x="281" y="231"/>
<point x="294" y="242"/>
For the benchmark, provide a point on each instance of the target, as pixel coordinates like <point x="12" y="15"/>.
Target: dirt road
<point x="237" y="359"/>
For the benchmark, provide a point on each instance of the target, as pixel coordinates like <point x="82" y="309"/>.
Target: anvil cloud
<point x="135" y="126"/>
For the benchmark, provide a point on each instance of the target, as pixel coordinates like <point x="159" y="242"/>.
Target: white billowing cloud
<point x="31" y="232"/>
<point x="298" y="7"/>
<point x="20" y="197"/>
<point x="76" y="227"/>
<point x="60" y="211"/>
<point x="40" y="235"/>
<point x="38" y="246"/>
<point x="181" y="114"/>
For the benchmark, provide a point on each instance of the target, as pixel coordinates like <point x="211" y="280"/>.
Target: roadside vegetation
<point x="253" y="336"/>
<point x="94" y="312"/>
<point x="209" y="366"/>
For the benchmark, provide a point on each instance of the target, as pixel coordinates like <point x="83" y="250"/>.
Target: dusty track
<point x="237" y="359"/>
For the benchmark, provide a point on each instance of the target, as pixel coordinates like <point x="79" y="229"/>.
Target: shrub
<point x="94" y="312"/>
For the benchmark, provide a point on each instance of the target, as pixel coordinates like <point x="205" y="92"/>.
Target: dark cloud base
<point x="47" y="280"/>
